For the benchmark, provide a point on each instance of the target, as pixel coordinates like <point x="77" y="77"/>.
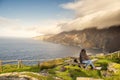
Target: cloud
<point x="93" y="13"/>
<point x="18" y="28"/>
<point x="9" y="32"/>
<point x="49" y="26"/>
<point x="14" y="28"/>
<point x="6" y="21"/>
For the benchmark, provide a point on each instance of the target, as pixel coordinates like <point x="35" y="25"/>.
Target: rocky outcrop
<point x="17" y="76"/>
<point x="112" y="67"/>
<point x="107" y="39"/>
<point x="86" y="78"/>
<point x="42" y="37"/>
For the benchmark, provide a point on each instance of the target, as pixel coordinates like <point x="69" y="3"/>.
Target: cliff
<point x="107" y="39"/>
<point x="42" y="37"/>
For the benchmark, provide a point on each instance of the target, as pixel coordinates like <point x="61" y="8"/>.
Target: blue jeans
<point x="88" y="62"/>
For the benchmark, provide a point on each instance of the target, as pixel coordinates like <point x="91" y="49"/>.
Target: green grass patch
<point x="103" y="63"/>
<point x="71" y="72"/>
<point x="14" y="68"/>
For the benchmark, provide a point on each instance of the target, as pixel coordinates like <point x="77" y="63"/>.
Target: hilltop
<point x="66" y="69"/>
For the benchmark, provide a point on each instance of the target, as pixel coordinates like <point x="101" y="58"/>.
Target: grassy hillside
<point x="60" y="69"/>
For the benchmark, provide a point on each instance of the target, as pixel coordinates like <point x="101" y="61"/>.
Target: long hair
<point x="83" y="52"/>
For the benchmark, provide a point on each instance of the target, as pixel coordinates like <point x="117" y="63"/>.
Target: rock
<point x="106" y="74"/>
<point x="107" y="39"/>
<point x="57" y="78"/>
<point x="13" y="78"/>
<point x="87" y="78"/>
<point x="100" y="54"/>
<point x="73" y="61"/>
<point x="111" y="68"/>
<point x="63" y="69"/>
<point x="24" y="78"/>
<point x="98" y="68"/>
<point x="44" y="72"/>
<point x="16" y="76"/>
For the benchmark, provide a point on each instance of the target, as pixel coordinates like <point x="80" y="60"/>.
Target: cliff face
<point x="42" y="37"/>
<point x="106" y="39"/>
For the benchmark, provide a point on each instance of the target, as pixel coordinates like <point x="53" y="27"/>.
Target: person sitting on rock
<point x="84" y="58"/>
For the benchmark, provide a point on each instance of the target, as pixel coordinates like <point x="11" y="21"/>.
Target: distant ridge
<point x="107" y="39"/>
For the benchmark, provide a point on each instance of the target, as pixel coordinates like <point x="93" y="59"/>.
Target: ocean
<point x="30" y="49"/>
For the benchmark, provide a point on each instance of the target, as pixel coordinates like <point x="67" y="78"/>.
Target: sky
<point x="29" y="18"/>
<point x="93" y="13"/>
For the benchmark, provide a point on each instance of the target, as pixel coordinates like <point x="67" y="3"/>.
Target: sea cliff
<point x="107" y="39"/>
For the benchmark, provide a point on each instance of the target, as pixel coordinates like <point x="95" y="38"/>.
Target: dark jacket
<point x="83" y="57"/>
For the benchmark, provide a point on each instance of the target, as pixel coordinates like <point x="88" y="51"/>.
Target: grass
<point x="71" y="72"/>
<point x="104" y="63"/>
<point x="13" y="68"/>
<point x="51" y="64"/>
<point x="74" y="71"/>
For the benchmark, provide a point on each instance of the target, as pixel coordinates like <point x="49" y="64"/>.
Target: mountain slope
<point x="107" y="39"/>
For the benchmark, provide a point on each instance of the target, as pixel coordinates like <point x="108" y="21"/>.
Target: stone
<point x="100" y="54"/>
<point x="86" y="78"/>
<point x="63" y="69"/>
<point x="13" y="78"/>
<point x="98" y="68"/>
<point x="57" y="78"/>
<point x="111" y="68"/>
<point x="24" y="78"/>
<point x="44" y="72"/>
<point x="16" y="76"/>
<point x="106" y="74"/>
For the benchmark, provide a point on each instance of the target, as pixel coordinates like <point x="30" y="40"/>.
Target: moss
<point x="51" y="64"/>
<point x="63" y="75"/>
<point x="71" y="73"/>
<point x="39" y="77"/>
<point x="103" y="63"/>
<point x="13" y="68"/>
